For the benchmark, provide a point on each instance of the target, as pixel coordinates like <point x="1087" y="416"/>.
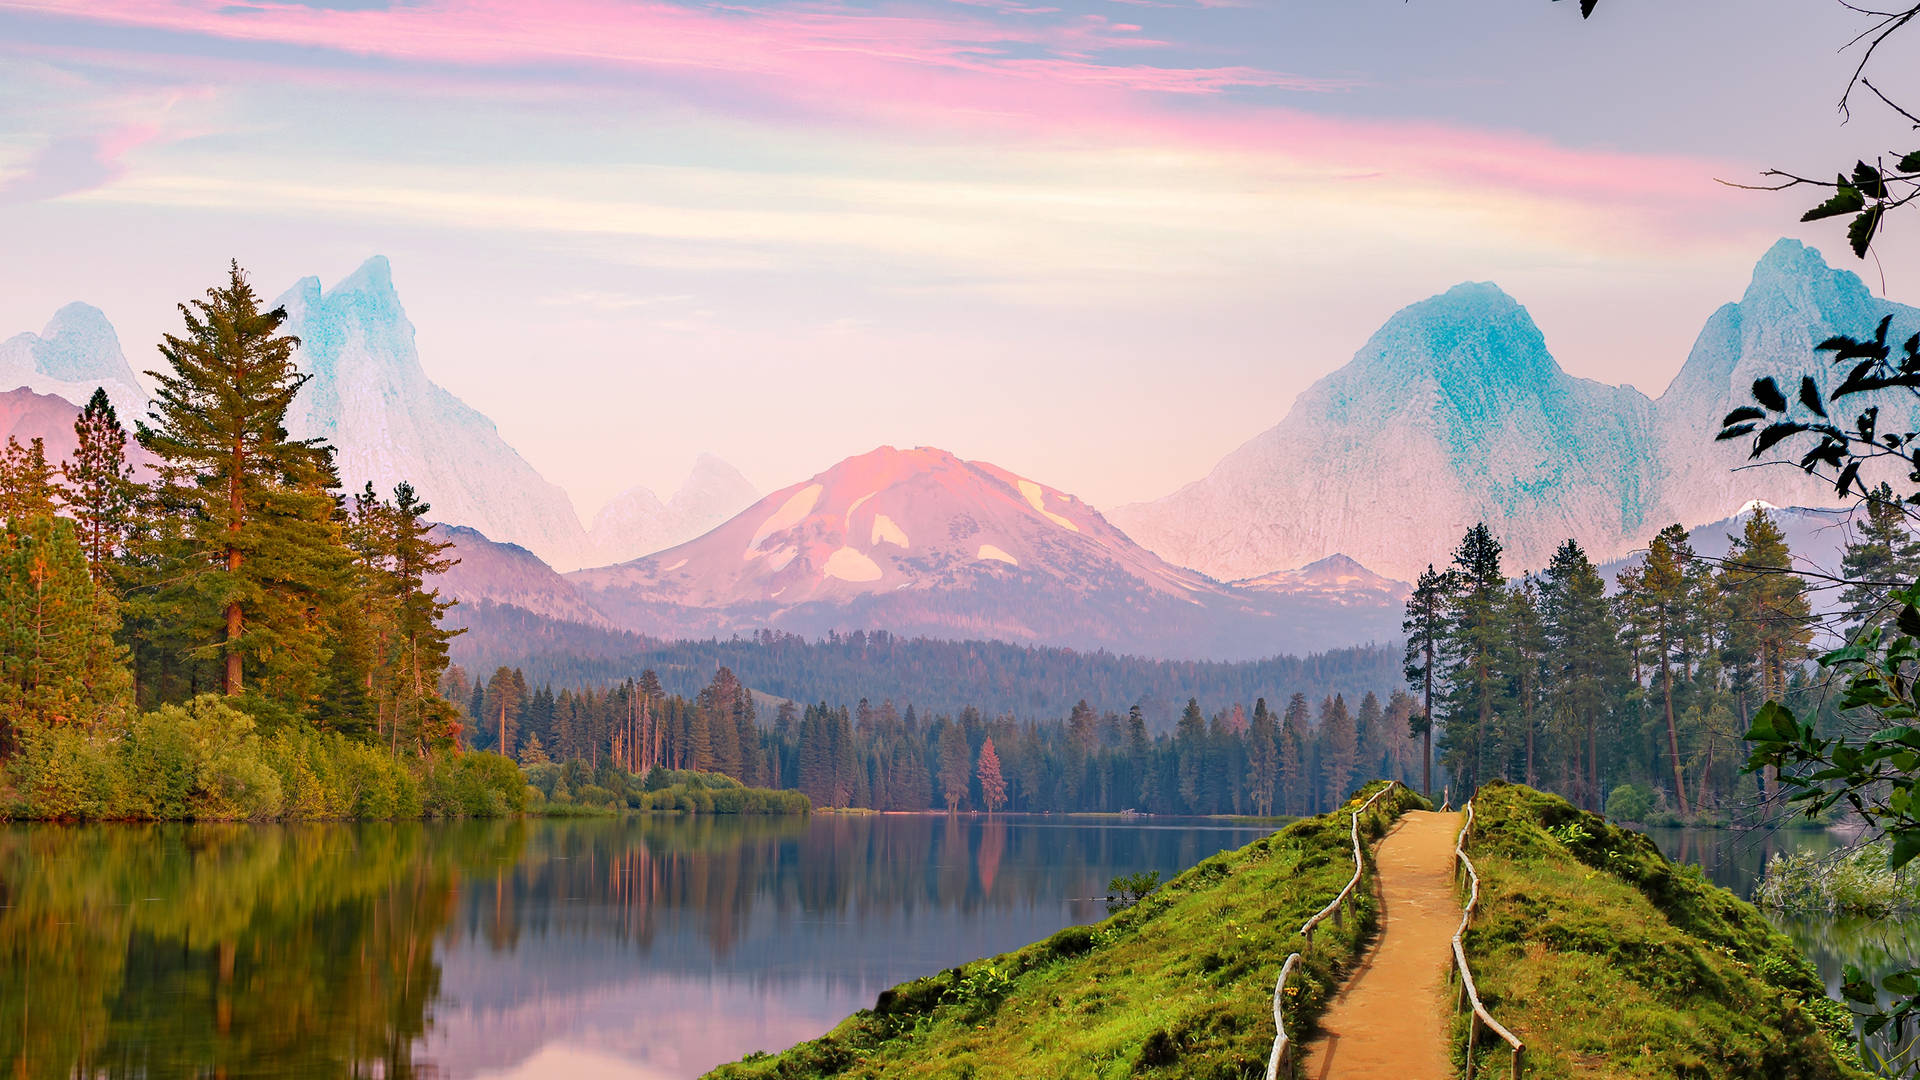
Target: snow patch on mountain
<point x="995" y="554"/>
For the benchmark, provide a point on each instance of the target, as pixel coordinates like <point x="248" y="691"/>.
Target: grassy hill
<point x="1611" y="961"/>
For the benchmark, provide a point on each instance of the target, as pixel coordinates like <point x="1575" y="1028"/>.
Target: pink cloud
<point x="73" y="163"/>
<point x="999" y="68"/>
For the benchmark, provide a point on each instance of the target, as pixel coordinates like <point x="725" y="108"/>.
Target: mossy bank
<point x="1609" y="960"/>
<point x="1177" y="986"/>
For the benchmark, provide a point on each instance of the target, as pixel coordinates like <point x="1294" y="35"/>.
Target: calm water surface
<point x="1736" y="859"/>
<point x="636" y="948"/>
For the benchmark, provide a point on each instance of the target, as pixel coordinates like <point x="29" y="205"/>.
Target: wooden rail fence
<point x="1280" y="1062"/>
<point x="1469" y="993"/>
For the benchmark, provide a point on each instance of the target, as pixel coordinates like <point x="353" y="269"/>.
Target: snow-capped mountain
<point x="637" y="523"/>
<point x="371" y="399"/>
<point x="1336" y="579"/>
<point x="921" y="542"/>
<point x="75" y="353"/>
<point x="1455" y="412"/>
<point x="1452" y="413"/>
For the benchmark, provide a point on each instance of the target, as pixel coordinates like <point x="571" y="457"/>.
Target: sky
<point x="1098" y="242"/>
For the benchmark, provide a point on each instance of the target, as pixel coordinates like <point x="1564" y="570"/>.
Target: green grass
<point x="1179" y="985"/>
<point x="1611" y="961"/>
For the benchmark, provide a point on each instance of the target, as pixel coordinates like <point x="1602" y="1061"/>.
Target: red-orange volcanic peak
<point x="894" y="520"/>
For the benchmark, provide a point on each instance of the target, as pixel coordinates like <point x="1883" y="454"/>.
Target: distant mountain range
<point x="1454" y="412"/>
<point x="1299" y="541"/>
<point x="920" y="542"/>
<point x="637" y="523"/>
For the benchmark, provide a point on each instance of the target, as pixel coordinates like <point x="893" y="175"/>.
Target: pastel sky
<point x="1099" y="242"/>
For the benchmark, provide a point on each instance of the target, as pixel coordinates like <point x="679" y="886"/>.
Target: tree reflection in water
<point x="322" y="950"/>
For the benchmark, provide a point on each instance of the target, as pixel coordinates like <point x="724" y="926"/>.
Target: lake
<point x="1735" y="859"/>
<point x="643" y="947"/>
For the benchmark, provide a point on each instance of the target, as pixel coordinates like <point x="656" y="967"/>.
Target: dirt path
<point x="1390" y="1021"/>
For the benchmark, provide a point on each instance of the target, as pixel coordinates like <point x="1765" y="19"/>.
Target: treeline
<point x="1239" y="758"/>
<point x="1025" y="681"/>
<point x="231" y="565"/>
<point x="1643" y="692"/>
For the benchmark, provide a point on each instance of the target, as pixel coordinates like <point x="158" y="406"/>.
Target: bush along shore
<point x="1180" y="984"/>
<point x="1609" y="960"/>
<point x="206" y="760"/>
<point x="574" y="790"/>
<point x="1858" y="881"/>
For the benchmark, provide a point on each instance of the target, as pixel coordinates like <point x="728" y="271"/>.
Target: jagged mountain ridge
<point x="1455" y="412"/>
<point x="76" y="352"/>
<point x="370" y="398"/>
<point x="922" y="542"/>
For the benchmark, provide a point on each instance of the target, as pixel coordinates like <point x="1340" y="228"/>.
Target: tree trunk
<point x="1673" y="736"/>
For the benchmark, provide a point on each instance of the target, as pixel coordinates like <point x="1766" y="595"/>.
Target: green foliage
<point x="59" y="664"/>
<point x="1630" y="802"/>
<point x="1607" y="959"/>
<point x="1127" y="890"/>
<point x="206" y="761"/>
<point x="1854" y="882"/>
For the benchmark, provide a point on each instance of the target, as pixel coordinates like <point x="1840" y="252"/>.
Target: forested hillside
<point x="1028" y="681"/>
<point x="1293" y="756"/>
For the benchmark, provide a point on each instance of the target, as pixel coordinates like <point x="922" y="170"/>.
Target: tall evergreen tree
<point x="955" y="769"/>
<point x="59" y="664"/>
<point x="1666" y="597"/>
<point x="1263" y="758"/>
<point x="254" y="549"/>
<point x="27" y="487"/>
<point x="1291" y="760"/>
<point x="1881" y="552"/>
<point x="1473" y="655"/>
<point x="1339" y="749"/>
<point x="993" y="786"/>
<point x="100" y="491"/>
<point x="1584" y="663"/>
<point x="1426" y="628"/>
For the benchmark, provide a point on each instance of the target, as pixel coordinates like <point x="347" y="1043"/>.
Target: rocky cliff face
<point x="1455" y="412"/>
<point x="370" y="398"/>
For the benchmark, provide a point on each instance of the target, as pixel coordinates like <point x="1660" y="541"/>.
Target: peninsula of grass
<point x="1608" y="960"/>
<point x="1179" y="985"/>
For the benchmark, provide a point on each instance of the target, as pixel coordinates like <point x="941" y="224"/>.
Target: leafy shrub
<point x="1855" y="882"/>
<point x="1630" y="802"/>
<point x="63" y="775"/>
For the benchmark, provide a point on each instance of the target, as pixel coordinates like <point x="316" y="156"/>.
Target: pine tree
<point x="100" y="491"/>
<point x="993" y="787"/>
<point x="1585" y="662"/>
<point x="1263" y="761"/>
<point x="1425" y="627"/>
<point x="506" y="692"/>
<point x="1473" y="656"/>
<point x="1667" y="594"/>
<point x="430" y="719"/>
<point x="1525" y="653"/>
<point x="533" y="753"/>
<point x="955" y="770"/>
<point x="243" y="492"/>
<point x="59" y="664"/>
<point x="1291" y="762"/>
<point x="1339" y="749"/>
<point x="27" y="488"/>
<point x="1189" y="744"/>
<point x="1882" y="551"/>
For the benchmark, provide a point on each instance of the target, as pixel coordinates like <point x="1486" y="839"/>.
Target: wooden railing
<point x="1280" y="1062"/>
<point x="1469" y="993"/>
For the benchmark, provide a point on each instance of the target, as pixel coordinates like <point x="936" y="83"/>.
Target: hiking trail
<point x="1390" y="1021"/>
